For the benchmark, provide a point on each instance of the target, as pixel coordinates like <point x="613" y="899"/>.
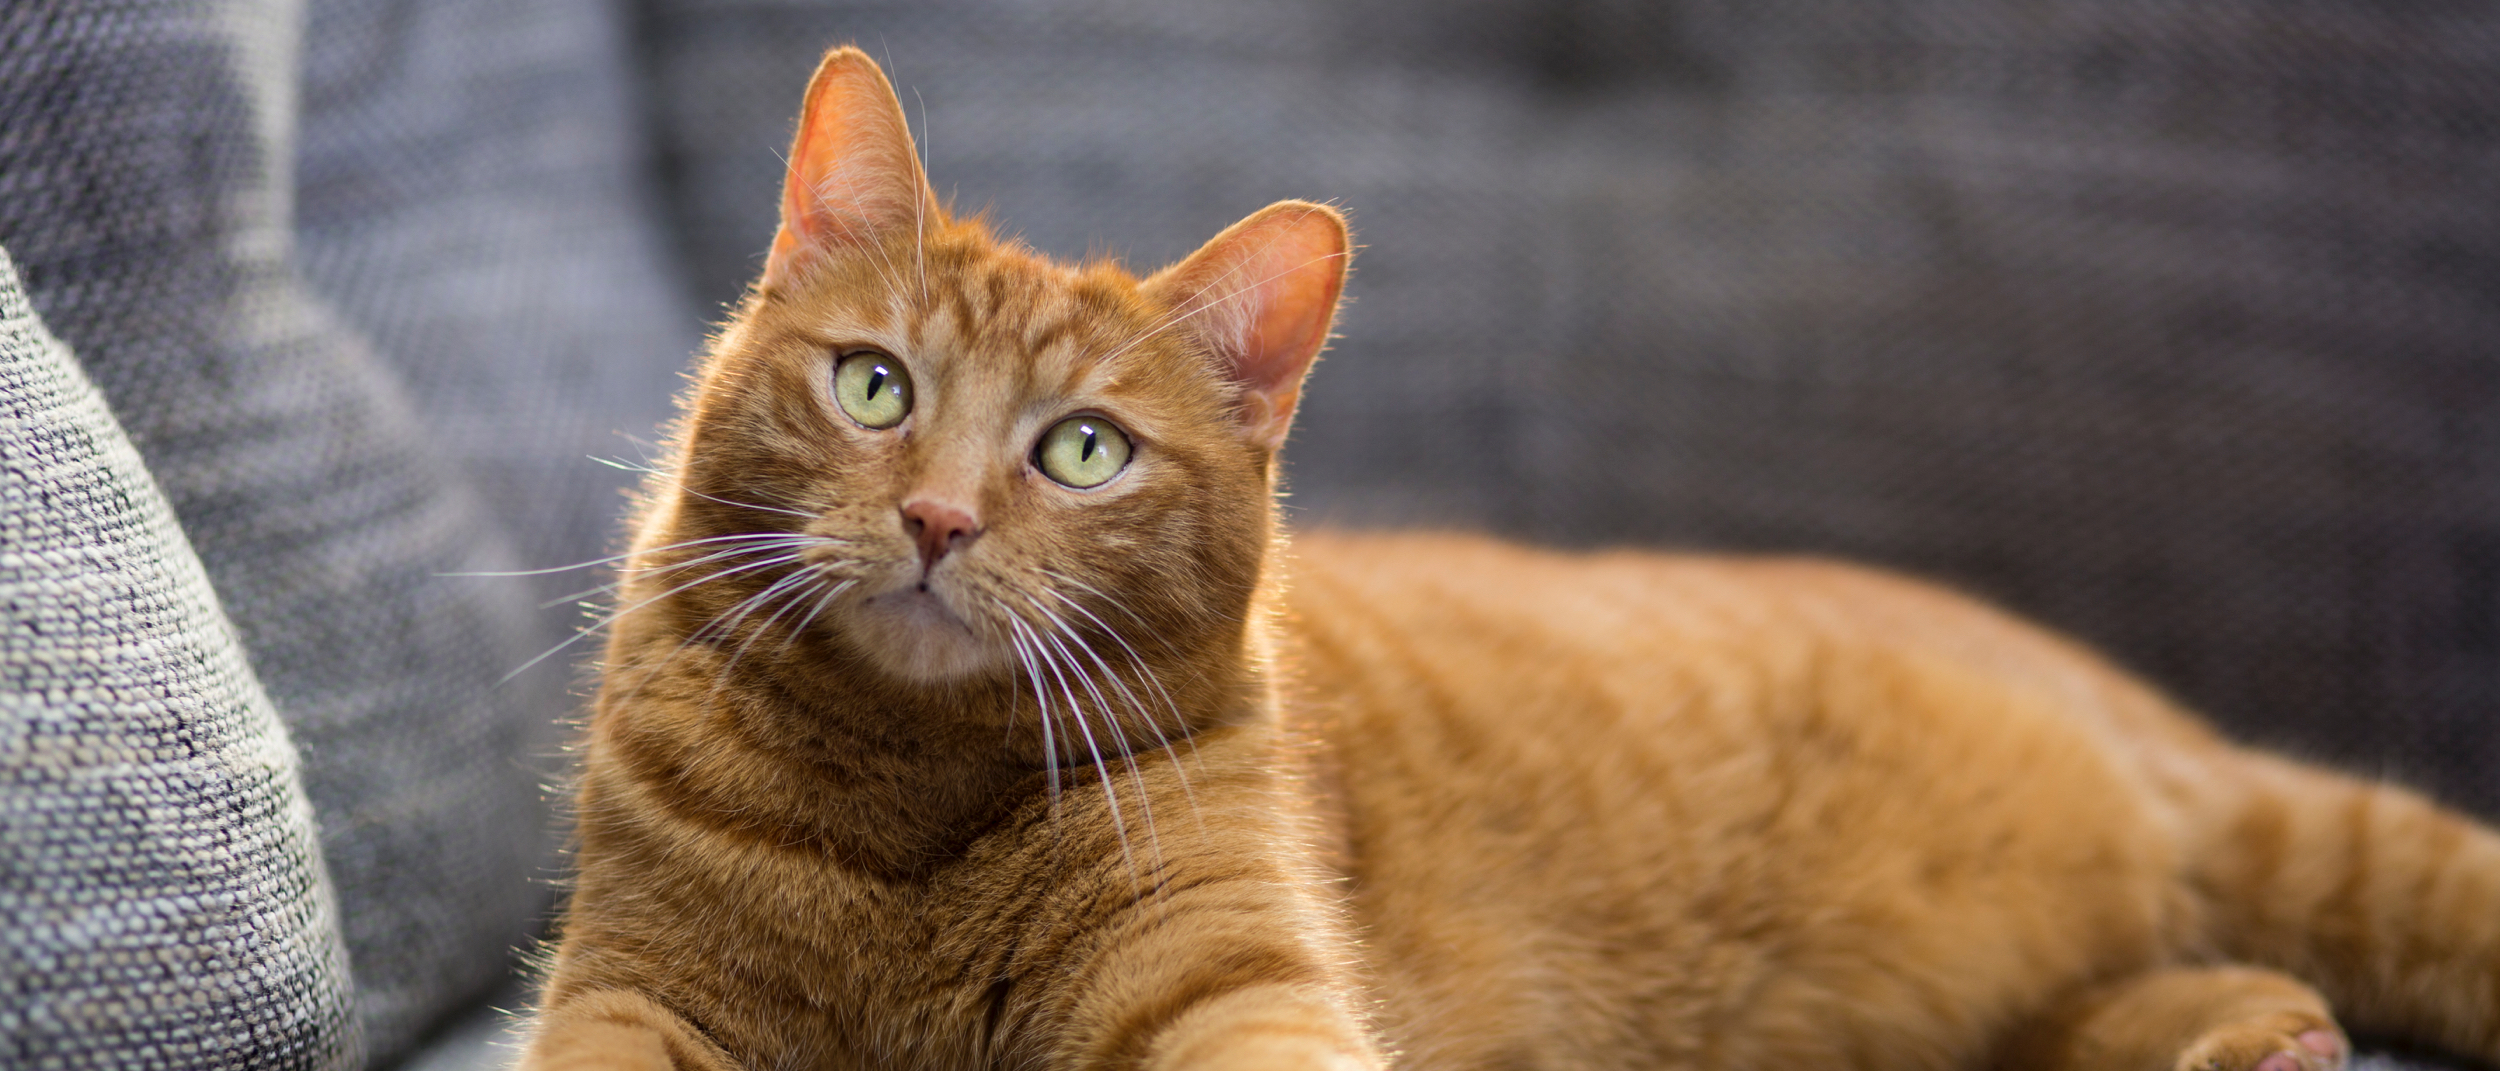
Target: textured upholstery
<point x="146" y="174"/>
<point x="473" y="196"/>
<point x="162" y="898"/>
<point x="2168" y="321"/>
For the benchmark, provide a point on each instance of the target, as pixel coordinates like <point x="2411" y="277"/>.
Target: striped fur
<point x="1123" y="780"/>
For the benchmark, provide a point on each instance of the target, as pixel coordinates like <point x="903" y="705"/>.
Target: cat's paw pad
<point x="2283" y="1041"/>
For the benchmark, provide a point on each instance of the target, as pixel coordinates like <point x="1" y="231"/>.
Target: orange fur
<point x="1114" y="777"/>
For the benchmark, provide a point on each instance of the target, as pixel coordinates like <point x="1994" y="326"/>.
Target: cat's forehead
<point x="996" y="318"/>
<point x="1020" y="317"/>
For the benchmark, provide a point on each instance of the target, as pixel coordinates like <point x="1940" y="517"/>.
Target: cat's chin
<point x="911" y="633"/>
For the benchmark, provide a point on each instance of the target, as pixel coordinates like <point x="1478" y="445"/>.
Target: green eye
<point x="873" y="388"/>
<point x="1082" y="451"/>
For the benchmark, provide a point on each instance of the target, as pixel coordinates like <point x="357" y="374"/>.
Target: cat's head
<point x="939" y="457"/>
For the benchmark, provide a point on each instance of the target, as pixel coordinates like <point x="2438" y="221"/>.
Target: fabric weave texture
<point x="148" y="156"/>
<point x="163" y="903"/>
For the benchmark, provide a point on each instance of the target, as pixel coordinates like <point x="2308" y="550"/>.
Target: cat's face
<point x="1010" y="452"/>
<point x="976" y="463"/>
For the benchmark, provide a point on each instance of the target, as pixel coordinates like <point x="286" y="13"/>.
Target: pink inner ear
<point x="1295" y="304"/>
<point x="853" y="174"/>
<point x="1265" y="293"/>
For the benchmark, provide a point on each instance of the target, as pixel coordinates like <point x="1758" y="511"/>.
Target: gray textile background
<point x="163" y="903"/>
<point x="147" y="159"/>
<point x="2173" y="322"/>
<point x="473" y="194"/>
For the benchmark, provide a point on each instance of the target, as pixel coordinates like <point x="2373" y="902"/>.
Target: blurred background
<point x="2172" y="323"/>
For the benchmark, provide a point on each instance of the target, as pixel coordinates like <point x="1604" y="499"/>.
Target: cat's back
<point x="1567" y="635"/>
<point x="1823" y="784"/>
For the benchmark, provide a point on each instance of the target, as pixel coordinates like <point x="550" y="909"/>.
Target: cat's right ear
<point x="1262" y="295"/>
<point x="854" y="178"/>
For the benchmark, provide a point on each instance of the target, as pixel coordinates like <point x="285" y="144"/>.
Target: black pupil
<point x="876" y="379"/>
<point x="1086" y="453"/>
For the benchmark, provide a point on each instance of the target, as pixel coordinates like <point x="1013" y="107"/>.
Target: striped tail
<point x="2387" y="903"/>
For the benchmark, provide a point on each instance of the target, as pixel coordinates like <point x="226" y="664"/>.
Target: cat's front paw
<point x="2277" y="1041"/>
<point x="1264" y="1028"/>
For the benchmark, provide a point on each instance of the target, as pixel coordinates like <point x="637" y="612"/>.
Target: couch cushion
<point x="162" y="898"/>
<point x="145" y="172"/>
<point x="473" y="195"/>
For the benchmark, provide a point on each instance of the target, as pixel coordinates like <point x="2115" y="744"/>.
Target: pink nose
<point x="939" y="528"/>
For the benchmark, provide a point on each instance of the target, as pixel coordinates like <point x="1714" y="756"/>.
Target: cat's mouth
<point x="918" y="603"/>
<point x="916" y="632"/>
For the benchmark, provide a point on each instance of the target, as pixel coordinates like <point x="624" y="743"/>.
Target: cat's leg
<point x="2186" y="1019"/>
<point x="2386" y="902"/>
<point x="1231" y="985"/>
<point x="613" y="1030"/>
<point x="1262" y="1028"/>
<point x="1232" y="962"/>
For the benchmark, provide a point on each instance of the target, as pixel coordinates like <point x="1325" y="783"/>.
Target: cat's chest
<point x="853" y="969"/>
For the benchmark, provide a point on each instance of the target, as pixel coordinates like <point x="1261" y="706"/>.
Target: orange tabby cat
<point x="969" y="710"/>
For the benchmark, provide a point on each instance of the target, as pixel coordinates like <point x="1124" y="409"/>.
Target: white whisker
<point x="1111" y="796"/>
<point x="1060" y="672"/>
<point x="677" y="479"/>
<point x="1144" y="671"/>
<point x="1111" y="725"/>
<point x="759" y="541"/>
<point x="1050" y="749"/>
<point x="709" y="628"/>
<point x="779" y="559"/>
<point x="628" y="554"/>
<point x="799" y="580"/>
<point x="1144" y="714"/>
<point x="831" y="593"/>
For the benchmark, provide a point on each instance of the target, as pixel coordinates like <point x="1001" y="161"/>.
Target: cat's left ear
<point x="854" y="178"/>
<point x="1262" y="295"/>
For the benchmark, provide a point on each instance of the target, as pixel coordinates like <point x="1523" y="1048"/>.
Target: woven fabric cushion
<point x="162" y="897"/>
<point x="2168" y="321"/>
<point x="145" y="175"/>
<point x="473" y="196"/>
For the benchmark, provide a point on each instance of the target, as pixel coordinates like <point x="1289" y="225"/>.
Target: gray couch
<point x="2173" y="322"/>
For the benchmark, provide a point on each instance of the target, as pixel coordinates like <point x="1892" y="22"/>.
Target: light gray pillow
<point x="472" y="196"/>
<point x="162" y="898"/>
<point x="146" y="154"/>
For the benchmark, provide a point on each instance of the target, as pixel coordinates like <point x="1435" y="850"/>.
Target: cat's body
<point x="1640" y="811"/>
<point x="968" y="711"/>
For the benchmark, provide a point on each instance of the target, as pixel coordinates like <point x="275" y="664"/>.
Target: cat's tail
<point x="2387" y="903"/>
